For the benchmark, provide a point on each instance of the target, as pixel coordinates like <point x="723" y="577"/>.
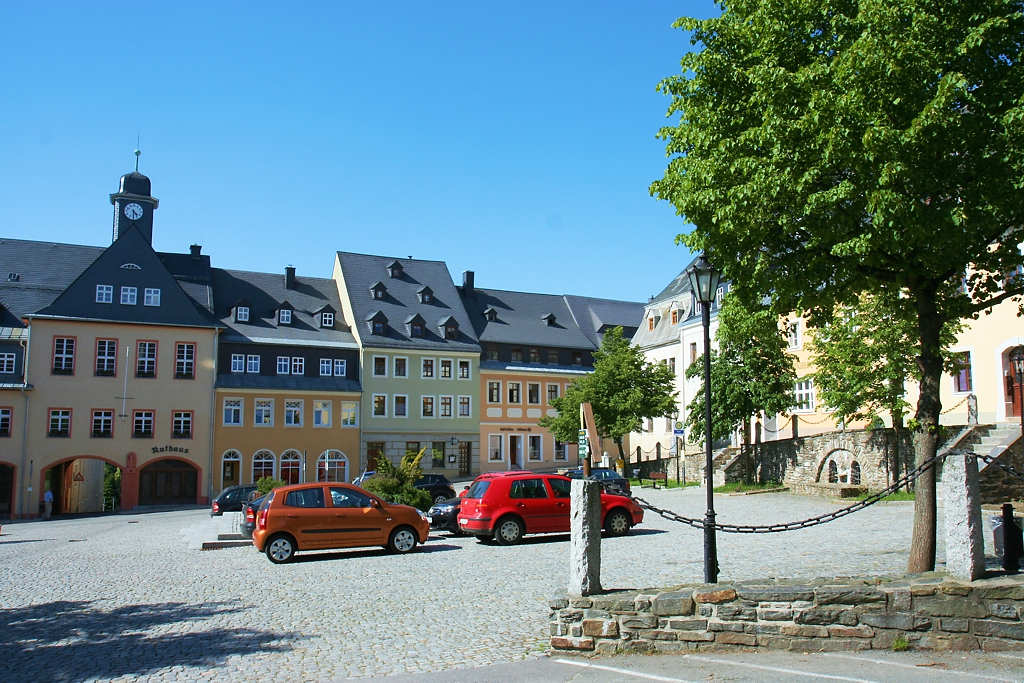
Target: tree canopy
<point x="826" y="148"/>
<point x="623" y="390"/>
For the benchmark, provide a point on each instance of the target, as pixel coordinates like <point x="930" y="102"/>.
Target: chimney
<point x="467" y="283"/>
<point x="195" y="250"/>
<point x="289" y="277"/>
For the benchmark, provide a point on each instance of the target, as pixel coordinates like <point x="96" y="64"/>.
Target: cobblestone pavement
<point x="119" y="597"/>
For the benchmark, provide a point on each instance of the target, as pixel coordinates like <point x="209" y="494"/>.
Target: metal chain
<point x="949" y="410"/>
<point x="780" y="427"/>
<point x="804" y="523"/>
<point x="821" y="421"/>
<point x="1006" y="468"/>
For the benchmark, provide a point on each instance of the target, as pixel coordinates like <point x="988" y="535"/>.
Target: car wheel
<point x="402" y="540"/>
<point x="280" y="549"/>
<point x="617" y="523"/>
<point x="440" y="498"/>
<point x="509" y="531"/>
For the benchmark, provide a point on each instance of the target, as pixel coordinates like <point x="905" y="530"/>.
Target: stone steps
<point x="216" y="532"/>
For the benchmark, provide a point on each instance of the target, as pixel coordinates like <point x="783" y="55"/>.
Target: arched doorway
<point x="168" y="482"/>
<point x="1012" y="394"/>
<point x="231" y="469"/>
<point x="291" y="467"/>
<point x="6" y="490"/>
<point x="82" y="484"/>
<point x="332" y="466"/>
<point x="263" y="465"/>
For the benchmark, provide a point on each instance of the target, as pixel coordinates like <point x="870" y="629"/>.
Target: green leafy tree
<point x="826" y="148"/>
<point x="751" y="372"/>
<point x="267" y="484"/>
<point x="623" y="390"/>
<point x="396" y="484"/>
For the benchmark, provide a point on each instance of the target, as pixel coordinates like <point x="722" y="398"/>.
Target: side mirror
<point x="374" y="503"/>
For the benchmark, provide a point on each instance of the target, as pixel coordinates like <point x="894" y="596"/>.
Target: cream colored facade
<point x="73" y="400"/>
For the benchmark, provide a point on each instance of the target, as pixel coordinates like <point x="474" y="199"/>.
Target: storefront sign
<point x="169" y="449"/>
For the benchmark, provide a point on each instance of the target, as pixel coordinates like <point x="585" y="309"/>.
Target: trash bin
<point x="996" y="521"/>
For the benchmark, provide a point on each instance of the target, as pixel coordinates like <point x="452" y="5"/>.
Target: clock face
<point x="133" y="211"/>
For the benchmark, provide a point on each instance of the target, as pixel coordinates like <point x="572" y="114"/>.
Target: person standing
<point x="47" y="503"/>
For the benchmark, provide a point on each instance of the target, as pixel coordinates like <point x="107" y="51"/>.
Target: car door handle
<point x="520" y="505"/>
<point x="292" y="516"/>
<point x="560" y="504"/>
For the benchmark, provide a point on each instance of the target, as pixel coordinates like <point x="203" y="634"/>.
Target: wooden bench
<point x="655" y="477"/>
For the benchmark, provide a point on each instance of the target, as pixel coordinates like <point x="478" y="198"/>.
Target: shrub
<point x="266" y="484"/>
<point x="397" y="484"/>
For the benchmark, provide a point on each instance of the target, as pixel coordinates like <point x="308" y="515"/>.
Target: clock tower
<point x="133" y="205"/>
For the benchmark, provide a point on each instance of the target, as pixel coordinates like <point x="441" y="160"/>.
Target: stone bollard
<point x="585" y="538"/>
<point x="965" y="541"/>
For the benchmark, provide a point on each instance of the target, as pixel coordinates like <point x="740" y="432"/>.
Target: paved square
<point x="120" y="598"/>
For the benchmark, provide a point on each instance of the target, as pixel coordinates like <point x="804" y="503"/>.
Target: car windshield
<point x="478" y="489"/>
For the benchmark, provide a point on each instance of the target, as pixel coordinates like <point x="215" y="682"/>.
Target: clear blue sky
<point x="513" y="139"/>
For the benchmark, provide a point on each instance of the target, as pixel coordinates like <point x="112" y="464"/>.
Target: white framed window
<point x="252" y="364"/>
<point x="181" y="424"/>
<point x="446" y="406"/>
<point x="129" y="295"/>
<point x="106" y="358"/>
<point x="515" y="395"/>
<point x="464" y="369"/>
<point x="326" y="320"/>
<point x="142" y="421"/>
<point x="322" y="413"/>
<point x="793" y="333"/>
<point x="465" y="406"/>
<point x="284" y="365"/>
<point x="325" y="367"/>
<point x="285" y="316"/>
<point x="446" y="369"/>
<point x="298" y="365"/>
<point x="494" y="392"/>
<point x="242" y="314"/>
<point x="401" y="367"/>
<point x="232" y="412"/>
<point x="553" y="390"/>
<point x="263" y="415"/>
<point x="145" y="360"/>
<point x="380" y="405"/>
<point x="698" y="307"/>
<point x="60" y="423"/>
<point x="427" y="406"/>
<point x="151" y="297"/>
<point x="185" y="361"/>
<point x="102" y="424"/>
<point x="804" y="395"/>
<point x="291" y="467"/>
<point x="380" y="366"/>
<point x="533" y="393"/>
<point x="719" y="295"/>
<point x="535" y="448"/>
<point x="427" y="368"/>
<point x="340" y="367"/>
<point x="262" y="465"/>
<point x="495" y="448"/>
<point x="7" y="362"/>
<point x="349" y="414"/>
<point x="401" y="405"/>
<point x="238" y="362"/>
<point x="561" y="451"/>
<point x="5" y="421"/>
<point x="104" y="294"/>
<point x="293" y="413"/>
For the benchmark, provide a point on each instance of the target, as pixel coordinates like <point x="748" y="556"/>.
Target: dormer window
<point x="378" y="291"/>
<point x="491" y="314"/>
<point x="450" y="327"/>
<point x="650" y="324"/>
<point x="426" y="295"/>
<point x="130" y="266"/>
<point x="416" y="330"/>
<point x="242" y="314"/>
<point x="395" y="269"/>
<point x="326" y="320"/>
<point x="416" y="325"/>
<point x="675" y="316"/>
<point x="285" y="317"/>
<point x="378" y="323"/>
<point x="549" y="319"/>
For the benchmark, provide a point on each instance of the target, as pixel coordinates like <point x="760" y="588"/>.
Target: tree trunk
<point x="622" y="454"/>
<point x="745" y="449"/>
<point x="926" y="434"/>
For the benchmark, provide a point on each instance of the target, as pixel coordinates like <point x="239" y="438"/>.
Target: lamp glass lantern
<point x="704" y="280"/>
<point x="1017" y="361"/>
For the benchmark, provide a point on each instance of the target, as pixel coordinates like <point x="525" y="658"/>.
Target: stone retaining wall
<point x="929" y="611"/>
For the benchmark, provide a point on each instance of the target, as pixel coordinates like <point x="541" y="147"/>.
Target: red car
<point x="507" y="505"/>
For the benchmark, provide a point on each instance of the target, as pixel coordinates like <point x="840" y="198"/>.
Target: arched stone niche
<point x="839" y="466"/>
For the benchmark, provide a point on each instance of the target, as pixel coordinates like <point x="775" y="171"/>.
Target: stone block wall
<point x="998" y="485"/>
<point x="928" y="611"/>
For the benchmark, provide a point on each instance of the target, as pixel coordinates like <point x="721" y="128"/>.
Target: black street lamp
<point x="704" y="283"/>
<point x="1017" y="361"/>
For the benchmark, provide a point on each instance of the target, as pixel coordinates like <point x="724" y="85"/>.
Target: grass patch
<point x="899" y="495"/>
<point x="740" y="487"/>
<point x="900" y="644"/>
<point x="670" y="484"/>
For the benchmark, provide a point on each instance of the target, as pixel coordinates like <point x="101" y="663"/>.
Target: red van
<point x="507" y="505"/>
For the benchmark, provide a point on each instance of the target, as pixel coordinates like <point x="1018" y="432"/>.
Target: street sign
<point x="677" y="429"/>
<point x="584" y="443"/>
<point x="78" y="477"/>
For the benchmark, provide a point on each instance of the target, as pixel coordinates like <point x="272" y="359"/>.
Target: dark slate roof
<point x="243" y="380"/>
<point x="193" y="274"/>
<point x="360" y="271"/>
<point x="520" y="319"/>
<point x="44" y="270"/>
<point x="264" y="293"/>
<point x="596" y="316"/>
<point x="78" y="301"/>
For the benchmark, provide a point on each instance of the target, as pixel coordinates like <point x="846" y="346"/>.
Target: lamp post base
<point x="710" y="549"/>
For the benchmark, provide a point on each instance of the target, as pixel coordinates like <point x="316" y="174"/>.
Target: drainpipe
<point x="24" y="426"/>
<point x="213" y="411"/>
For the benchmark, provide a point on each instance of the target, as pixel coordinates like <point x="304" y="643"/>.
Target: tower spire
<point x="138" y="152"/>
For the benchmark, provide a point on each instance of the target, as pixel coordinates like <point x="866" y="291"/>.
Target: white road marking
<point x="780" y="670"/>
<point x="934" y="670"/>
<point x="1002" y="654"/>
<point x="627" y="672"/>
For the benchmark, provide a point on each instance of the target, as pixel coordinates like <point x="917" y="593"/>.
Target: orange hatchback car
<point x="333" y="515"/>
